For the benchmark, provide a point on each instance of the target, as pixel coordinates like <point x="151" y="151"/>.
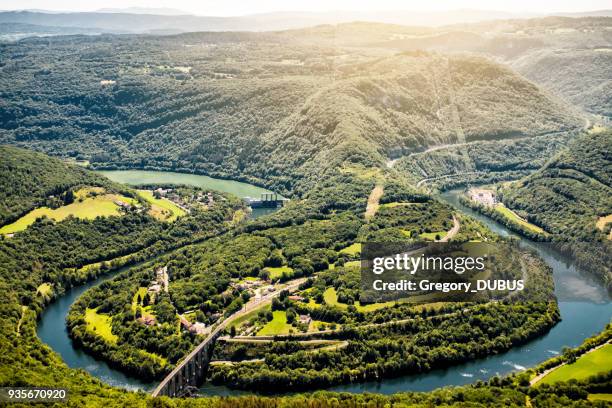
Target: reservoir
<point x="237" y="188"/>
<point x="584" y="304"/>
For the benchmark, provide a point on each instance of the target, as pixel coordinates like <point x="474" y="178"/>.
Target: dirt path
<point x="453" y="231"/>
<point x="539" y="377"/>
<point x="23" y="312"/>
<point x="373" y="201"/>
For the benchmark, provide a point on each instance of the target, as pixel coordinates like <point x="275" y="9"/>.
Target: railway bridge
<point x="191" y="371"/>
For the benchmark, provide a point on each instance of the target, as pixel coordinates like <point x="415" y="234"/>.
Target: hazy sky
<point x="241" y="7"/>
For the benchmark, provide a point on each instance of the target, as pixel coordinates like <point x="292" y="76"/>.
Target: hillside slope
<point x="581" y="76"/>
<point x="28" y="179"/>
<point x="156" y="103"/>
<point x="572" y="191"/>
<point x="570" y="198"/>
<point x="569" y="57"/>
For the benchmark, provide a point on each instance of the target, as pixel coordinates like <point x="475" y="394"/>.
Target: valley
<point x="184" y="215"/>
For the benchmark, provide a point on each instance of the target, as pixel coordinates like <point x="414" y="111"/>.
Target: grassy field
<point x="589" y="364"/>
<point x="331" y="298"/>
<point x="277" y="272"/>
<point x="352" y="250"/>
<point x="115" y="261"/>
<point x="278" y="325"/>
<point x="353" y="264"/>
<point x="90" y="207"/>
<point x="45" y="289"/>
<point x="511" y="215"/>
<point x="100" y="324"/>
<point x="250" y="315"/>
<point x="146" y="310"/>
<point x="161" y="208"/>
<point x="431" y="236"/>
<point x="364" y="173"/>
<point x="395" y="204"/>
<point x="600" y="397"/>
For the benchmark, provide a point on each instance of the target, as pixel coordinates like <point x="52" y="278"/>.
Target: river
<point x="585" y="310"/>
<point x="52" y="325"/>
<point x="584" y="304"/>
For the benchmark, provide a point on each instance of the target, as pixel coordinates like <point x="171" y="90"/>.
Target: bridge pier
<point x="191" y="371"/>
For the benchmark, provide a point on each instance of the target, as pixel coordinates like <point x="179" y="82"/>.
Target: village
<point x="254" y="289"/>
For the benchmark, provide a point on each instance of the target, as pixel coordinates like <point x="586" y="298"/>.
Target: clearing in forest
<point x="278" y="325"/>
<point x="162" y="208"/>
<point x="353" y="249"/>
<point x="374" y="201"/>
<point x="277" y="272"/>
<point x="100" y="324"/>
<point x="602" y="222"/>
<point x="512" y="216"/>
<point x="85" y="206"/>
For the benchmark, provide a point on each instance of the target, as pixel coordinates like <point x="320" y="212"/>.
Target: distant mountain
<point x="161" y="20"/>
<point x="161" y="11"/>
<point x="594" y="13"/>
<point x="144" y="20"/>
<point x="17" y="31"/>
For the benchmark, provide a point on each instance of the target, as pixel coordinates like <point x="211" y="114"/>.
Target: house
<point x="483" y="196"/>
<point x="305" y="319"/>
<point x="198" y="328"/>
<point x="154" y="288"/>
<point x="184" y="322"/>
<point x="122" y="204"/>
<point x="296" y="298"/>
<point x="162" y="192"/>
<point x="148" y="320"/>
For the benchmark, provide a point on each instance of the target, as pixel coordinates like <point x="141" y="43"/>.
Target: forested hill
<point x="569" y="57"/>
<point x="570" y="198"/>
<point x="27" y="179"/>
<point x="255" y="106"/>
<point x="570" y="193"/>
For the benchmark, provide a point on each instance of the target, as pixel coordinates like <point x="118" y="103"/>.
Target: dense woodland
<point x="271" y="118"/>
<point x="568" y="196"/>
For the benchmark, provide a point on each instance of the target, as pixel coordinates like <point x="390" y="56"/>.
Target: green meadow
<point x="89" y="208"/>
<point x="589" y="364"/>
<point x="161" y="208"/>
<point x="511" y="215"/>
<point x="100" y="324"/>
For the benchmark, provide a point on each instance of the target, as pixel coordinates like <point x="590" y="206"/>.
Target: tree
<point x="68" y="197"/>
<point x="264" y="274"/>
<point x="291" y="315"/>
